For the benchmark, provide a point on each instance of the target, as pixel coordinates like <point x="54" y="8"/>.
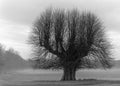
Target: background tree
<point x="10" y="59"/>
<point x="69" y="40"/>
<point x="2" y="51"/>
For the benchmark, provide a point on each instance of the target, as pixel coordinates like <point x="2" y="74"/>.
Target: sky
<point x="17" y="18"/>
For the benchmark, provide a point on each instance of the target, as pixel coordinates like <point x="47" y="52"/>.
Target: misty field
<point x="44" y="78"/>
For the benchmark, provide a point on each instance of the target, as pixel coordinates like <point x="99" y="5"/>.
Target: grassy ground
<point x="34" y="78"/>
<point x="66" y="83"/>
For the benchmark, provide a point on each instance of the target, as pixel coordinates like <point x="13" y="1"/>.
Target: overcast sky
<point x="17" y="17"/>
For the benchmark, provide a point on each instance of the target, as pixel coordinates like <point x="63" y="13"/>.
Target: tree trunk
<point x="68" y="74"/>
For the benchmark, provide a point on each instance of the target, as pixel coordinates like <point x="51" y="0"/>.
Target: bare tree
<point x="69" y="40"/>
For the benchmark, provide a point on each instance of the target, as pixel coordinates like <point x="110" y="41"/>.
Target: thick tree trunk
<point x="68" y="74"/>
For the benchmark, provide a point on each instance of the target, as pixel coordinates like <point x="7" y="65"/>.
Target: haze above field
<point x="17" y="17"/>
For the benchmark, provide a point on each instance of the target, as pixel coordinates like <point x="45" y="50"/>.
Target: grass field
<point x="65" y="83"/>
<point x="50" y="78"/>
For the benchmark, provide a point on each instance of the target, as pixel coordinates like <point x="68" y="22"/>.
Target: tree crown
<point x="70" y="38"/>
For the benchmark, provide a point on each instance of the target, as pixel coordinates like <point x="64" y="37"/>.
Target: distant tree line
<point x="5" y="55"/>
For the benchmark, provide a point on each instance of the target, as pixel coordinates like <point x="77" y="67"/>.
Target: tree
<point x="69" y="40"/>
<point x="10" y="59"/>
<point x="2" y="51"/>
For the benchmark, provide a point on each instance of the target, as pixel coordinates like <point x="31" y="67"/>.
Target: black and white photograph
<point x="59" y="42"/>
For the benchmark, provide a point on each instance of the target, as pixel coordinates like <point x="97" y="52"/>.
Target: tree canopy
<point x="69" y="40"/>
